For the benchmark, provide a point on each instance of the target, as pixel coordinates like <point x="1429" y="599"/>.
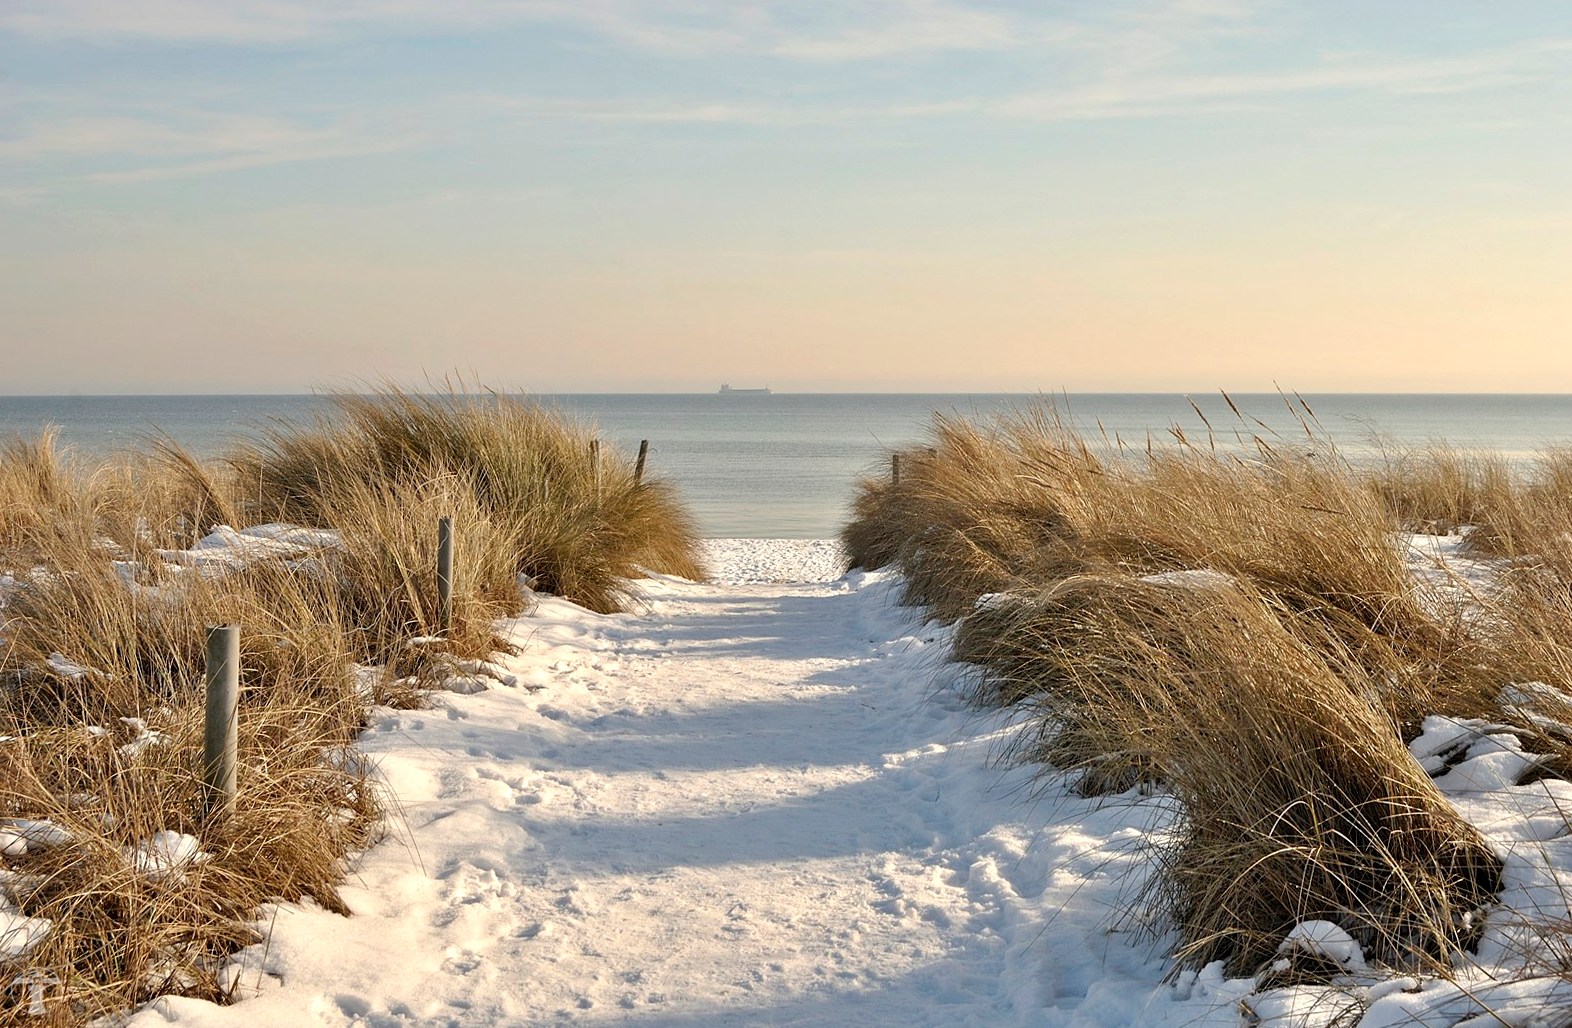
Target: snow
<point x="1324" y="939"/>
<point x="69" y="669"/>
<point x="19" y="934"/>
<point x="1471" y="755"/>
<point x="142" y="737"/>
<point x="742" y="561"/>
<point x="762" y="800"/>
<point x="166" y="854"/>
<point x="1194" y="578"/>
<point x="224" y="547"/>
<point x="32" y="833"/>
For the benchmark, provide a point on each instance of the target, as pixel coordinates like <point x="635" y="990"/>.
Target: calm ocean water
<point x="782" y="465"/>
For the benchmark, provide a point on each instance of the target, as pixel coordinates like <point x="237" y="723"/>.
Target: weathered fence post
<point x="595" y="464"/>
<point x="445" y="575"/>
<point x="220" y="734"/>
<point x="638" y="466"/>
<point x="895" y="469"/>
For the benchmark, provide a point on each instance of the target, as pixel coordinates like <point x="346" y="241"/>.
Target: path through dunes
<point x="746" y="804"/>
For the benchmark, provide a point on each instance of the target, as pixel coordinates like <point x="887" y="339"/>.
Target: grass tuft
<point x="102" y="626"/>
<point x="1241" y="626"/>
<point x="1300" y="802"/>
<point x="577" y="527"/>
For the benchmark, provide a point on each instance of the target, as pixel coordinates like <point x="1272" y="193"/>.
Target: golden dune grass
<point x="111" y="752"/>
<point x="1241" y="626"/>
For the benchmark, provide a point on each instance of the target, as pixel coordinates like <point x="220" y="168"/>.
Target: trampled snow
<point x="762" y="801"/>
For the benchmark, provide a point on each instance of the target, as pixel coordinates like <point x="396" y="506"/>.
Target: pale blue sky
<point x="904" y="194"/>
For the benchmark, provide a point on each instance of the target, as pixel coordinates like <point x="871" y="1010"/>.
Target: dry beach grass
<point x="101" y="662"/>
<point x="1238" y="625"/>
<point x="1241" y="625"/>
<point x="578" y="527"/>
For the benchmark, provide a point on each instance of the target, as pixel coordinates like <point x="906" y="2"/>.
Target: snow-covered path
<point x="706" y="824"/>
<point x="744" y="804"/>
<point x="758" y="803"/>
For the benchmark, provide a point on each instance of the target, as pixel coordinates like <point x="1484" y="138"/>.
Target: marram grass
<point x="577" y="527"/>
<point x="1241" y="626"/>
<point x="101" y="660"/>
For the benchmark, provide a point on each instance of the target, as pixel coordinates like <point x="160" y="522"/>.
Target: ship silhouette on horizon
<point x="729" y="391"/>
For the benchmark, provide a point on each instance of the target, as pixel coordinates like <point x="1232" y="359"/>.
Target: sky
<point x="856" y="195"/>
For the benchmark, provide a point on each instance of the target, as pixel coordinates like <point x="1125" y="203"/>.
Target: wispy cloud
<point x="1101" y="95"/>
<point x="19" y="197"/>
<point x="1125" y="96"/>
<point x="173" y="20"/>
<point x="823" y="32"/>
<point x="641" y="111"/>
<point x="181" y="143"/>
<point x="257" y="159"/>
<point x="180" y="135"/>
<point x="889" y="29"/>
<point x="1123" y="59"/>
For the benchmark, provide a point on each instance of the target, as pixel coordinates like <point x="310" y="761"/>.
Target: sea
<point x="784" y="465"/>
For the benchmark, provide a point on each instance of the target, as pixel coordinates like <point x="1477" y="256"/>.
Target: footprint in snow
<point x="737" y="915"/>
<point x="573" y="901"/>
<point x="465" y="962"/>
<point x="352" y="1005"/>
<point x="451" y="783"/>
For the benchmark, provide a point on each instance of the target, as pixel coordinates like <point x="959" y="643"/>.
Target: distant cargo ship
<point x="729" y="391"/>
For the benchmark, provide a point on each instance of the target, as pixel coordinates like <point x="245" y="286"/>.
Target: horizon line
<point x="326" y="393"/>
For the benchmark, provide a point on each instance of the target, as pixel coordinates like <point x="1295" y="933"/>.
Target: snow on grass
<point x="166" y="854"/>
<point x="762" y="801"/>
<point x="19" y="934"/>
<point x="225" y="547"/>
<point x="1324" y="939"/>
<point x="32" y="833"/>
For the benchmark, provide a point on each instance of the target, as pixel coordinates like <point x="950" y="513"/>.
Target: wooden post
<point x="595" y="464"/>
<point x="895" y="469"/>
<point x="638" y="466"/>
<point x="220" y="735"/>
<point x="445" y="575"/>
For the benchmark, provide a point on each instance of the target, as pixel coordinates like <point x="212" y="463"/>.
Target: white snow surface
<point x="1324" y="939"/>
<point x="30" y="832"/>
<point x="742" y="561"/>
<point x="224" y="547"/>
<point x="19" y="934"/>
<point x="166" y="854"/>
<point x="764" y="802"/>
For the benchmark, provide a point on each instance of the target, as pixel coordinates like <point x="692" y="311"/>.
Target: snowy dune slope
<point x="758" y="802"/>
